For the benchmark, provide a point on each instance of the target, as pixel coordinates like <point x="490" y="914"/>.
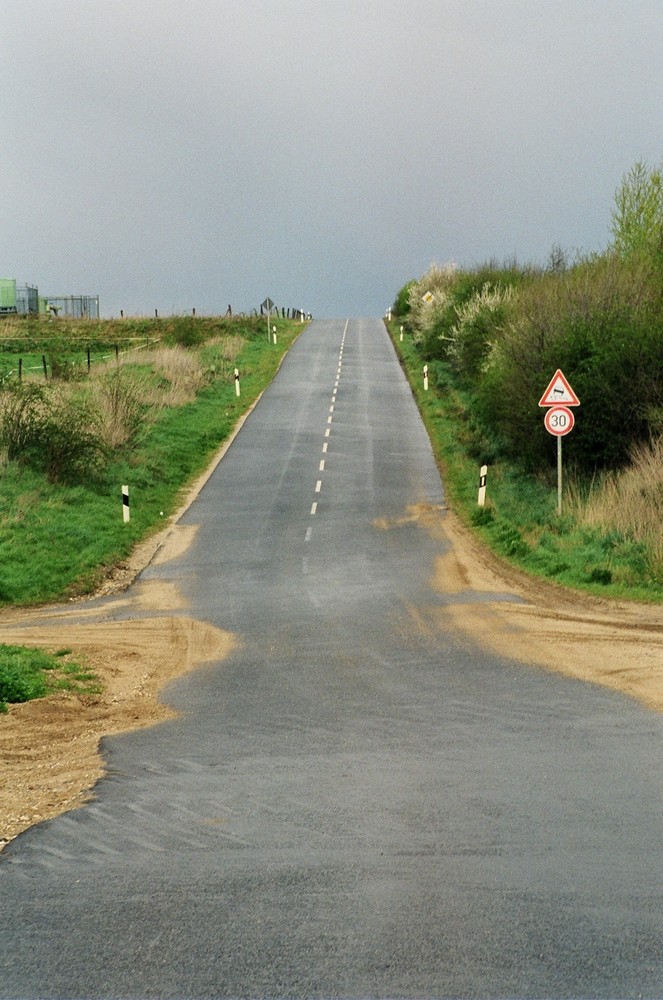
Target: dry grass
<point x="118" y="394"/>
<point x="179" y="373"/>
<point x="629" y="501"/>
<point x="228" y="347"/>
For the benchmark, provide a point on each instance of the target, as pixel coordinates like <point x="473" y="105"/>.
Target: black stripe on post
<point x="125" y="503"/>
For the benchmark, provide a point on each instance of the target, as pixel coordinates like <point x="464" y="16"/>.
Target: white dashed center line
<point x="318" y="485"/>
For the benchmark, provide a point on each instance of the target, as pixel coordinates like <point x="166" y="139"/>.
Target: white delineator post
<point x="274" y="332"/>
<point x="426" y="378"/>
<point x="401" y="333"/>
<point x="125" y="503"/>
<point x="483" y="473"/>
<point x="236" y="381"/>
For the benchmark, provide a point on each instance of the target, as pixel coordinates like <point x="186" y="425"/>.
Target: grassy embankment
<point x="587" y="548"/>
<point x="100" y="405"/>
<point x="150" y="417"/>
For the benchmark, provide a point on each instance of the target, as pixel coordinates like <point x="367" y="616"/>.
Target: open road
<point x="359" y="801"/>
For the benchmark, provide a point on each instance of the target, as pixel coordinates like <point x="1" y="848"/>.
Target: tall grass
<point x="629" y="502"/>
<point x="178" y="375"/>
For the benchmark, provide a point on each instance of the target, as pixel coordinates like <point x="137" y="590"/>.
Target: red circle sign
<point x="559" y="420"/>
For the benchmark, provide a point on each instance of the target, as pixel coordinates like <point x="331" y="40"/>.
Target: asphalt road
<point x="352" y="805"/>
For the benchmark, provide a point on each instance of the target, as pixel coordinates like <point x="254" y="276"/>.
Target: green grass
<point x="59" y="541"/>
<point x="520" y="520"/>
<point x="27" y="673"/>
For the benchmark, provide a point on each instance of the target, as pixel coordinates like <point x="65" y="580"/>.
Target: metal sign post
<point x="268" y="305"/>
<point x="559" y="419"/>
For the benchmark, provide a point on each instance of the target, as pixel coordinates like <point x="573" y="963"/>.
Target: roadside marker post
<point x="426" y="378"/>
<point x="125" y="504"/>
<point x="236" y="382"/>
<point x="401" y="333"/>
<point x="483" y="475"/>
<point x="559" y="419"/>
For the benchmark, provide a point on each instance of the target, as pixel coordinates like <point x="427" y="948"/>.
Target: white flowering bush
<point x="429" y="300"/>
<point x="477" y="321"/>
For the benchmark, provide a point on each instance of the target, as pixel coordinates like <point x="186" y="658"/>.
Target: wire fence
<point x="61" y="361"/>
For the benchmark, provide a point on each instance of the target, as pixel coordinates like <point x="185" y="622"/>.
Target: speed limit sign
<point x="559" y="420"/>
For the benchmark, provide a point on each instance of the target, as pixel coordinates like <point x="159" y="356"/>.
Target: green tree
<point x="637" y="216"/>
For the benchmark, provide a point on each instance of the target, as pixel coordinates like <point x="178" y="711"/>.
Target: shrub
<point x="477" y="321"/>
<point x="401" y="305"/>
<point x="602" y="323"/>
<point x="186" y="331"/>
<point x="51" y="430"/>
<point x="68" y="441"/>
<point x="21" y="406"/>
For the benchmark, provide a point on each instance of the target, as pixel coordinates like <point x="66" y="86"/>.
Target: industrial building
<point x="25" y="300"/>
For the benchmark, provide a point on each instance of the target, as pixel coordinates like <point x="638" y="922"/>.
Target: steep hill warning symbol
<point x="559" y="392"/>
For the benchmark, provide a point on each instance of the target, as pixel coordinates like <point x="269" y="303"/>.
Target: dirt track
<point x="49" y="748"/>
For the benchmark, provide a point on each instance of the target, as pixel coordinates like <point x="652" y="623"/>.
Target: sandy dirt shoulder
<point x="618" y="645"/>
<point x="49" y="749"/>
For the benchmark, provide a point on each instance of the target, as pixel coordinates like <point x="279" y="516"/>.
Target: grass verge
<point x="61" y="539"/>
<point x="519" y="521"/>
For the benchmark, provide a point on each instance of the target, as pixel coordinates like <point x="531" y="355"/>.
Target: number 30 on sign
<point x="559" y="420"/>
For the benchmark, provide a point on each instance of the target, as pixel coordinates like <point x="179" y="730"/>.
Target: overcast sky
<point x="174" y="155"/>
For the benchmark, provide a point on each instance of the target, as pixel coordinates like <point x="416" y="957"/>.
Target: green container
<point x="7" y="294"/>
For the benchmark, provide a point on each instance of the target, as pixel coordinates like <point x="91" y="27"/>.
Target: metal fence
<point x="78" y="306"/>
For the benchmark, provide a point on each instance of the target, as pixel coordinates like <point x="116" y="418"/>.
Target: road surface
<point x="355" y="803"/>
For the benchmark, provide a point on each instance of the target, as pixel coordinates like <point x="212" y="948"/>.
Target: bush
<point x="478" y="320"/>
<point x="21" y="406"/>
<point x="186" y="331"/>
<point x="68" y="442"/>
<point x="52" y="431"/>
<point x="401" y="305"/>
<point x="602" y="323"/>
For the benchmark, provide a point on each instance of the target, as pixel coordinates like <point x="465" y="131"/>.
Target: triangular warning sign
<point x="559" y="392"/>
